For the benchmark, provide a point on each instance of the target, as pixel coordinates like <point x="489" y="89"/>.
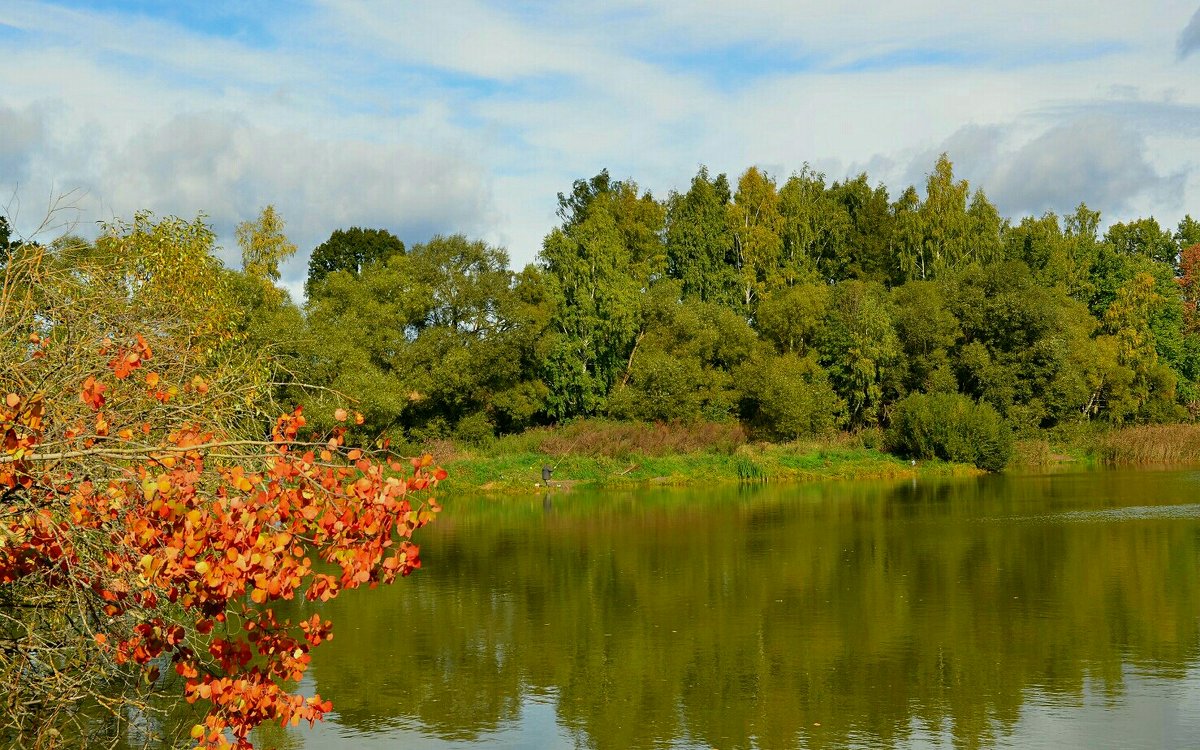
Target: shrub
<point x="791" y="398"/>
<point x="951" y="427"/>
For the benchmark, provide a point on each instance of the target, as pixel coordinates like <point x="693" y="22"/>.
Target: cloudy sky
<point x="469" y="116"/>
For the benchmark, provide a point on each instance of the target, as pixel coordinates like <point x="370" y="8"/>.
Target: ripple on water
<point x="1107" y="515"/>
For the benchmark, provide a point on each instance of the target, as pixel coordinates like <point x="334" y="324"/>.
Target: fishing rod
<point x="548" y="470"/>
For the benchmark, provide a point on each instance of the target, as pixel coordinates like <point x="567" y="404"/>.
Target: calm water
<point x="1028" y="612"/>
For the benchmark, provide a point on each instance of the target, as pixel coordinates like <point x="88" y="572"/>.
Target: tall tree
<point x="756" y="225"/>
<point x="865" y="243"/>
<point x="1143" y="237"/>
<point x="859" y="347"/>
<point x="596" y="264"/>
<point x="264" y="246"/>
<point x="814" y="231"/>
<point x="350" y="250"/>
<point x="699" y="241"/>
<point x="1187" y="233"/>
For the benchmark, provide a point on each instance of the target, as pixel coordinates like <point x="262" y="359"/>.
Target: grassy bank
<point x="614" y="454"/>
<point x="1099" y="445"/>
<point x="602" y="453"/>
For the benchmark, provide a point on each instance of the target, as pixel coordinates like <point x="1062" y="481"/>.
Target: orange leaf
<point x="152" y="379"/>
<point x="13" y="400"/>
<point x="93" y="393"/>
<point x="340" y="415"/>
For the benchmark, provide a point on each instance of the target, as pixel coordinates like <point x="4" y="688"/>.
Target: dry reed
<point x="1151" y="444"/>
<point x="624" y="439"/>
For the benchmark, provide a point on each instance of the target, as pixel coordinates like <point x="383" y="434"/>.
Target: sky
<point x="471" y="116"/>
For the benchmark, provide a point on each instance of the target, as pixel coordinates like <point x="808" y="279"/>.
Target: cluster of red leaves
<point x="217" y="543"/>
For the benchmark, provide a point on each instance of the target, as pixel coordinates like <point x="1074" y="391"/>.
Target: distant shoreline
<point x="521" y="473"/>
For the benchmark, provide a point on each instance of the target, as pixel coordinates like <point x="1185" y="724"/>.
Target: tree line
<point x="799" y="309"/>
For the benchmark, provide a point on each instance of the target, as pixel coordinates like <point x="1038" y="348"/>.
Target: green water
<point x="1059" y="611"/>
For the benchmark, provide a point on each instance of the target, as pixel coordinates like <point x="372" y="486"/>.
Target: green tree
<point x="864" y="250"/>
<point x="951" y="427"/>
<point x="788" y="396"/>
<point x="1128" y="319"/>
<point x="681" y="362"/>
<point x="814" y="231"/>
<point x="699" y="241"/>
<point x="928" y="332"/>
<point x="906" y="248"/>
<point x="859" y="347"/>
<point x="471" y="342"/>
<point x="945" y="222"/>
<point x="597" y="264"/>
<point x="1143" y="237"/>
<point x="264" y="246"/>
<point x="756" y="225"/>
<point x="350" y="250"/>
<point x="1017" y="339"/>
<point x="791" y="317"/>
<point x="1187" y="233"/>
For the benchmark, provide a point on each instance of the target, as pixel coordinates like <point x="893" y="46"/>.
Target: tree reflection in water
<point x="812" y="616"/>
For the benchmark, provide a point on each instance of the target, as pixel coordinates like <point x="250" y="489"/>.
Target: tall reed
<point x="1150" y="444"/>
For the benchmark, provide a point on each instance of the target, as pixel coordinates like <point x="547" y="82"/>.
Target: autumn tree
<point x="264" y="246"/>
<point x="149" y="519"/>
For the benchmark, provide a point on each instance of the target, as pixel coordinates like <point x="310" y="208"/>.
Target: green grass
<point x="489" y="471"/>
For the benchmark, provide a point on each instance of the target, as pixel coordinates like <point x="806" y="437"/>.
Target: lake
<point x="1004" y="611"/>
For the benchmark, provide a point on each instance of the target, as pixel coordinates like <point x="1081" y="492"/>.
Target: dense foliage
<point x="153" y="510"/>
<point x="951" y="427"/>
<point x="797" y="309"/>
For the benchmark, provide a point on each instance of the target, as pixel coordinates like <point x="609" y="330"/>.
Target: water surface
<point x="1030" y="612"/>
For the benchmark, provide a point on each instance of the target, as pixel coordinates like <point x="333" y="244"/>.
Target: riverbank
<point x="604" y="453"/>
<point x="765" y="463"/>
<point x="1085" y="446"/>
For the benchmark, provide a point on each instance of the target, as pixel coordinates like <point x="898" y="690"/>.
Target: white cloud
<point x="1095" y="160"/>
<point x="471" y="115"/>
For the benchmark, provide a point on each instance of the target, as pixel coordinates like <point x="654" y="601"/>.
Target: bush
<point x="951" y="427"/>
<point x="790" y="398"/>
<point x="474" y="429"/>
